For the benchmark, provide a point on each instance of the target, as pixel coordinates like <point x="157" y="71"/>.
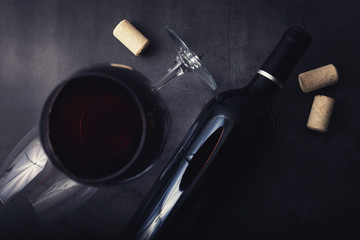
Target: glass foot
<point x="186" y="60"/>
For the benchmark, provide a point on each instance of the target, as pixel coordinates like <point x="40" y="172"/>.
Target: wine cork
<point x="320" y="113"/>
<point x="318" y="78"/>
<point x="128" y="35"/>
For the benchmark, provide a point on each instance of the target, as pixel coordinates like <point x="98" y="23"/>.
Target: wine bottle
<point x="231" y="133"/>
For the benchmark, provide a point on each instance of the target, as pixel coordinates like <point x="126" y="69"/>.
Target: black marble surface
<point x="308" y="186"/>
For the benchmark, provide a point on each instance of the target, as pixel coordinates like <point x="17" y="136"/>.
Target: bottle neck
<point x="279" y="64"/>
<point x="264" y="87"/>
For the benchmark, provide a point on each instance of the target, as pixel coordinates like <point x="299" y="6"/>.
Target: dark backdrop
<point x="309" y="183"/>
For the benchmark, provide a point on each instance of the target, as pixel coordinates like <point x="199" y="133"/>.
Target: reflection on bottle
<point x="164" y="207"/>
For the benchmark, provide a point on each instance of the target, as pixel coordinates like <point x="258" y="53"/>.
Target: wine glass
<point x="131" y="127"/>
<point x="29" y="158"/>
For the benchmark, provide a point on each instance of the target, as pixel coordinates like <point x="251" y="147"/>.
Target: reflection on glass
<point x="25" y="167"/>
<point x="56" y="193"/>
<point x="27" y="172"/>
<point x="21" y="166"/>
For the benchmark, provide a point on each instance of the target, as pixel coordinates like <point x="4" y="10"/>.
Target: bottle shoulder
<point x="243" y="99"/>
<point x="238" y="106"/>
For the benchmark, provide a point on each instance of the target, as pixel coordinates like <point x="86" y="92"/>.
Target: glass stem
<point x="173" y="72"/>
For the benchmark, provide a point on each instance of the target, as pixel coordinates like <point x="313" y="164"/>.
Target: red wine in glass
<point x="104" y="125"/>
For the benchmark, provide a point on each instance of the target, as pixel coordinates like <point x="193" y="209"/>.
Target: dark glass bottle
<point x="229" y="135"/>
